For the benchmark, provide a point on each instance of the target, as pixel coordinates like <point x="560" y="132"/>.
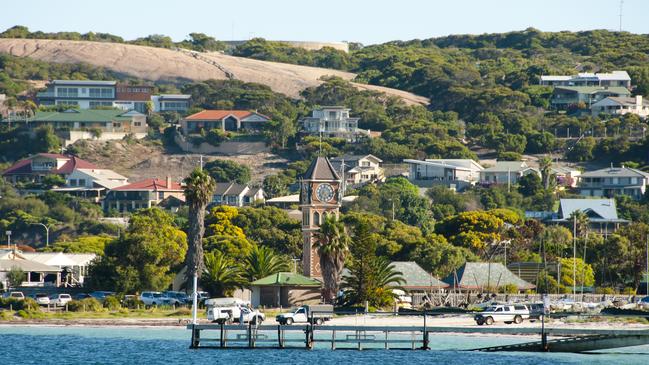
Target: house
<point x="171" y="103"/>
<point x="485" y="276"/>
<point x="236" y="195"/>
<point x="333" y="121"/>
<point x="225" y="120"/>
<point x="91" y="183"/>
<point x="132" y="97"/>
<point x="459" y="173"/>
<point x="621" y="105"/>
<point x="506" y="172"/>
<point x="613" y="79"/>
<point x="613" y="181"/>
<point x="601" y="213"/>
<point x="37" y="274"/>
<point x="74" y="266"/>
<point x="416" y="278"/>
<point x="76" y="124"/>
<point x="565" y="176"/>
<point x="141" y="195"/>
<point x="564" y="97"/>
<point x="359" y="169"/>
<point x="86" y="94"/>
<point x="36" y="167"/>
<point x="285" y="289"/>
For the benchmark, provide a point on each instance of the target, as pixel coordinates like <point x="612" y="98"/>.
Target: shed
<point x="285" y="289"/>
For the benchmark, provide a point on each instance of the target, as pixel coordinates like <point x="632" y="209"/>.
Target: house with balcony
<point x="612" y="79"/>
<point x="38" y="166"/>
<point x="333" y="121"/>
<point x="621" y="105"/>
<point x="453" y="173"/>
<point x="506" y="172"/>
<point x="613" y="181"/>
<point x="179" y="103"/>
<point x="91" y="183"/>
<point x="85" y="94"/>
<point x="563" y="97"/>
<point x="601" y="213"/>
<point x="141" y="195"/>
<point x="75" y="124"/>
<point x="236" y="195"/>
<point x="133" y="97"/>
<point x="359" y="169"/>
<point x="225" y="120"/>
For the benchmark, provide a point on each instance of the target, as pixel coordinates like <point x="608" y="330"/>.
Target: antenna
<point x="621" y="8"/>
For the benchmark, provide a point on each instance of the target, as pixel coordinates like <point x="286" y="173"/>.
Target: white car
<point x="514" y="313"/>
<point x="154" y="298"/>
<point x="232" y="310"/>
<point x="60" y="300"/>
<point x="42" y="299"/>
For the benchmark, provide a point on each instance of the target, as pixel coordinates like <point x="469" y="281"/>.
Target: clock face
<point x="325" y="192"/>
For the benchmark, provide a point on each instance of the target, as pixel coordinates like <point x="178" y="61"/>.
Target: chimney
<point x="168" y="182"/>
<point x="638" y="101"/>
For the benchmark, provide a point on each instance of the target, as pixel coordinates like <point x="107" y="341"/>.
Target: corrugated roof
<point x="222" y="114"/>
<point x="626" y="101"/>
<point x="104" y="177"/>
<point x="82" y="115"/>
<point x="602" y="208"/>
<point x="616" y="172"/>
<point x="72" y="163"/>
<point x="286" y="279"/>
<point x="230" y="188"/>
<point x="321" y="169"/>
<point x="84" y="82"/>
<point x="26" y="265"/>
<point x="505" y="166"/>
<point x="481" y="275"/>
<point x="416" y="277"/>
<point x="152" y="185"/>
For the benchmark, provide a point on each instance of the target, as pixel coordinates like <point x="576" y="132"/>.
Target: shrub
<point x="85" y="305"/>
<point x="133" y="303"/>
<point x="216" y="136"/>
<point x="509" y="289"/>
<point x="30" y="314"/>
<point x="19" y="304"/>
<point x="6" y="316"/>
<point x="605" y="290"/>
<point x="112" y="303"/>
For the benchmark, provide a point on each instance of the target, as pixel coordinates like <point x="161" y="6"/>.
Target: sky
<point x="363" y="21"/>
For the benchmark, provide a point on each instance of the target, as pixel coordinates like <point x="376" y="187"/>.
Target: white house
<point x="458" y="172"/>
<point x="73" y="266"/>
<point x="359" y="169"/>
<point x="613" y="181"/>
<point x="506" y="172"/>
<point x="92" y="183"/>
<point x="171" y="102"/>
<point x="333" y="121"/>
<point x="236" y="195"/>
<point x="615" y="78"/>
<point x="621" y="105"/>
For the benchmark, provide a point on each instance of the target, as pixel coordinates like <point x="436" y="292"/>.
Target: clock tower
<point x="320" y="197"/>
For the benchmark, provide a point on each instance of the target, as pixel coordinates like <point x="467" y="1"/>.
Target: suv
<point x="60" y="300"/>
<point x="15" y="295"/>
<point x="42" y="299"/>
<point x="154" y="298"/>
<point x="101" y="295"/>
<point x="505" y="313"/>
<point x="177" y="298"/>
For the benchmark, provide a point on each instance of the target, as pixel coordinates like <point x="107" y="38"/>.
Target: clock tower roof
<point x="321" y="169"/>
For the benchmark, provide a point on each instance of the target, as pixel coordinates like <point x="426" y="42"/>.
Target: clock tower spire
<point x="320" y="197"/>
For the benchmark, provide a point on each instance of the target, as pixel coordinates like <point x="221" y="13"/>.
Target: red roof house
<point x="142" y="194"/>
<point x="35" y="167"/>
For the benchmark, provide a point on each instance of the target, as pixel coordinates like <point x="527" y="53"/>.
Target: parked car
<point x="15" y="295"/>
<point x="319" y="313"/>
<point x="60" y="300"/>
<point x="644" y="302"/>
<point x="503" y="313"/>
<point x="81" y="296"/>
<point x="177" y="298"/>
<point x="42" y="299"/>
<point x="202" y="296"/>
<point x="101" y="295"/>
<point x="536" y="310"/>
<point x="154" y="298"/>
<point x="232" y="310"/>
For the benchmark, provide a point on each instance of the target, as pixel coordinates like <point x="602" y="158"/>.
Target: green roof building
<point x="285" y="289"/>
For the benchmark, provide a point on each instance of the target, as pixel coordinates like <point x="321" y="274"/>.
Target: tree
<point x="224" y="236"/>
<point x="439" y="257"/>
<point x="582" y="150"/>
<point x="271" y="227"/>
<point x="584" y="272"/>
<point x="221" y="275"/>
<point x="16" y="276"/>
<point x="199" y="188"/>
<point x="228" y="171"/>
<point x="82" y="244"/>
<point x="276" y="185"/>
<point x="332" y="244"/>
<point x="545" y="165"/>
<point x="530" y="185"/>
<point x="263" y="261"/>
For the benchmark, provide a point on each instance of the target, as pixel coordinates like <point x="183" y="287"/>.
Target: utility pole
<point x="647" y="276"/>
<point x="574" y="256"/>
<point x="621" y="8"/>
<point x="47" y="233"/>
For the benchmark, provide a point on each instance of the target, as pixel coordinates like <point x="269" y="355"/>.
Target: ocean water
<point x="119" y="345"/>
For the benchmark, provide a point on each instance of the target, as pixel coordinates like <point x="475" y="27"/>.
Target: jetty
<point x="223" y="336"/>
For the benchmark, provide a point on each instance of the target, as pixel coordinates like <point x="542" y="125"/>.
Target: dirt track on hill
<point x="157" y="64"/>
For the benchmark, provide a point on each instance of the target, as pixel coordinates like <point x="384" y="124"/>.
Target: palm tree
<point x="545" y="165"/>
<point x="263" y="261"/>
<point x="387" y="278"/>
<point x="199" y="187"/>
<point x="581" y="220"/>
<point x="332" y="245"/>
<point x="221" y="275"/>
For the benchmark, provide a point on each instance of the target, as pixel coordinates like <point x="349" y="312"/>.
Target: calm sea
<point x="75" y="345"/>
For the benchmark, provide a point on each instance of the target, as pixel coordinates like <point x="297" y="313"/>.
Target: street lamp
<point x="8" y="233"/>
<point x="47" y="233"/>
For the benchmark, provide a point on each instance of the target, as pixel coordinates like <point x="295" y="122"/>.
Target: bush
<point x="216" y="136"/>
<point x="28" y="304"/>
<point x="30" y="314"/>
<point x="133" y="303"/>
<point x="112" y="303"/>
<point x="85" y="305"/>
<point x="605" y="290"/>
<point x="509" y="289"/>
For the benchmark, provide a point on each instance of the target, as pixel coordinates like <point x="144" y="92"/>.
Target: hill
<point x="157" y="64"/>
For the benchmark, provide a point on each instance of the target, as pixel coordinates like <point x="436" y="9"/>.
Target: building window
<point x="161" y="195"/>
<point x="316" y="218"/>
<point x="73" y="182"/>
<point x="305" y="219"/>
<point x="137" y="124"/>
<point x="82" y="182"/>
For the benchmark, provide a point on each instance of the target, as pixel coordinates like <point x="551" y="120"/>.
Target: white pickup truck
<point x="514" y="313"/>
<point x="320" y="313"/>
<point x="232" y="310"/>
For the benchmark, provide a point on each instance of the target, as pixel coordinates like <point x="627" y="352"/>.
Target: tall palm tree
<point x="221" y="275"/>
<point x="263" y="261"/>
<point x="582" y="220"/>
<point x="545" y="165"/>
<point x="199" y="187"/>
<point x="333" y="245"/>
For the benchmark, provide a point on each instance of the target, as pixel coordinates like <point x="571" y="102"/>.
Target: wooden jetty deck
<point x="402" y="337"/>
